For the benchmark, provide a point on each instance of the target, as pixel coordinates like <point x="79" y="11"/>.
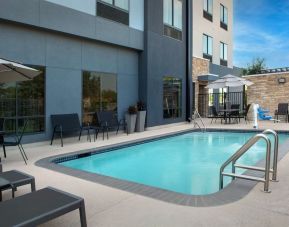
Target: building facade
<point x="213" y="31"/>
<point x="96" y="55"/>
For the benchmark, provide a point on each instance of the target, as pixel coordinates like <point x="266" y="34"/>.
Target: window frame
<point x="206" y="10"/>
<point x="180" y="97"/>
<point x="82" y="90"/>
<point x="223" y="24"/>
<point x="114" y="6"/>
<point x="206" y="54"/>
<point x="17" y="117"/>
<point x="223" y="60"/>
<point x="171" y="30"/>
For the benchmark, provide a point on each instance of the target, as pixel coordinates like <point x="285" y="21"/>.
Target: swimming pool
<point x="187" y="163"/>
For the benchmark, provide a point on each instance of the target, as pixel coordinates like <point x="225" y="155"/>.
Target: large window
<point x="208" y="9"/>
<point x="116" y="10"/>
<point x="223" y="17"/>
<point x="99" y="91"/>
<point x="172" y="97"/>
<point x="223" y="54"/>
<point x="207" y="47"/>
<point x="173" y="20"/>
<point x="21" y="101"/>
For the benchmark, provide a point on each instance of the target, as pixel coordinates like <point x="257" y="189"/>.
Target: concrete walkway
<point x="107" y="206"/>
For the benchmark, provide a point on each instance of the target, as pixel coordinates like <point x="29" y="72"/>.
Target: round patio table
<point x="227" y="114"/>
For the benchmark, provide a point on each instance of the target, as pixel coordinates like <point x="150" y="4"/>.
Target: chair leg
<point x="23" y="151"/>
<point x="22" y="154"/>
<point x="80" y="133"/>
<point x="61" y="138"/>
<point x="4" y="150"/>
<point x="52" y="138"/>
<point x="106" y="132"/>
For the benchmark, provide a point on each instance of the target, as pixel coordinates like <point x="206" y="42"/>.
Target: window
<point x="116" y="10"/>
<point x="172" y="97"/>
<point x="224" y="17"/>
<point x="21" y="101"/>
<point x="207" y="47"/>
<point x="208" y="9"/>
<point x="173" y="20"/>
<point x="99" y="92"/>
<point x="223" y="54"/>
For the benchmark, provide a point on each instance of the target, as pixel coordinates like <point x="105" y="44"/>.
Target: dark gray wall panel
<point x="64" y="19"/>
<point x="26" y="11"/>
<point x="22" y="44"/>
<point x="64" y="92"/>
<point x="55" y="17"/>
<point x="63" y="52"/>
<point x="97" y="57"/>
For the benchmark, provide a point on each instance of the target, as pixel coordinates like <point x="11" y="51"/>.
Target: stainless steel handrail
<point x="195" y="116"/>
<point x="242" y="151"/>
<point x="276" y="151"/>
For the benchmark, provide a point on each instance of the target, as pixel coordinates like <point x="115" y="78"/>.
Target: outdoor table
<point x="227" y="114"/>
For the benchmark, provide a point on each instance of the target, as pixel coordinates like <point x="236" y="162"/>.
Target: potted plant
<point x="130" y="118"/>
<point x="141" y="116"/>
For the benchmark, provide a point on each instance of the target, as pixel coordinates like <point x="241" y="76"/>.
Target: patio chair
<point x="215" y="115"/>
<point x="107" y="120"/>
<point x="17" y="142"/>
<point x="282" y="111"/>
<point x="235" y="114"/>
<point x="13" y="179"/>
<point x="244" y="114"/>
<point x="40" y="206"/>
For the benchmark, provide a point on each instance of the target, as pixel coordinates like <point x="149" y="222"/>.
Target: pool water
<point x="187" y="163"/>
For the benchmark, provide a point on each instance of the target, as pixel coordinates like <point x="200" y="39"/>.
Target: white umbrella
<point x="229" y="81"/>
<point x="12" y="71"/>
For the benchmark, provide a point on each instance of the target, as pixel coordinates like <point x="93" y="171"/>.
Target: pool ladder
<point x="267" y="169"/>
<point x="196" y="116"/>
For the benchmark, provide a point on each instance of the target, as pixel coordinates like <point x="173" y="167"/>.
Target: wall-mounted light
<point x="281" y="80"/>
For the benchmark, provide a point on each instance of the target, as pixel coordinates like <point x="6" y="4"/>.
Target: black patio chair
<point x="282" y="111"/>
<point x="214" y="114"/>
<point x="107" y="120"/>
<point x="244" y="114"/>
<point x="235" y="114"/>
<point x="17" y="142"/>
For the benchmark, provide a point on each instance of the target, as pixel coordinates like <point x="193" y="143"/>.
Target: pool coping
<point x="235" y="191"/>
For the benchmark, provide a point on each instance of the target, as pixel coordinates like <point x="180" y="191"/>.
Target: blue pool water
<point x="187" y="163"/>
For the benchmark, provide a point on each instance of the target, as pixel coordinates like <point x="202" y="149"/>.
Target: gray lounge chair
<point x="39" y="207"/>
<point x="13" y="179"/>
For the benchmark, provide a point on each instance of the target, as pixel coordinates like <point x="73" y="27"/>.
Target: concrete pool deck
<point x="106" y="206"/>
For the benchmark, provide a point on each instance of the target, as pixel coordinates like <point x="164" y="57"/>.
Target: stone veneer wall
<point x="200" y="67"/>
<point x="267" y="92"/>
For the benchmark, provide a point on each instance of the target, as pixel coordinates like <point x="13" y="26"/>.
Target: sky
<point x="261" y="29"/>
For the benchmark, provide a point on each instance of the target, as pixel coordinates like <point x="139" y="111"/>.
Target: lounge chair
<point x="107" y="120"/>
<point x="235" y="114"/>
<point x="41" y="206"/>
<point x="282" y="111"/>
<point x="263" y="114"/>
<point x="14" y="179"/>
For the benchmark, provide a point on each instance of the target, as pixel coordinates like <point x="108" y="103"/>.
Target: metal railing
<point x="196" y="116"/>
<point x="233" y="159"/>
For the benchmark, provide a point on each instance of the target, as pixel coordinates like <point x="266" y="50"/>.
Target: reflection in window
<point x="173" y="13"/>
<point x="207" y="45"/>
<point x="99" y="92"/>
<point x="208" y="6"/>
<point x="223" y="51"/>
<point x="122" y="4"/>
<point x="21" y="101"/>
<point x="224" y="14"/>
<point x="172" y="97"/>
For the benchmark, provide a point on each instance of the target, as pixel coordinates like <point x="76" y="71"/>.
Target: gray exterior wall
<point x="162" y="56"/>
<point x="68" y="42"/>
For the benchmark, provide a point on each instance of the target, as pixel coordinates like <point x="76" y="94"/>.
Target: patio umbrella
<point x="12" y="71"/>
<point x="229" y="81"/>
